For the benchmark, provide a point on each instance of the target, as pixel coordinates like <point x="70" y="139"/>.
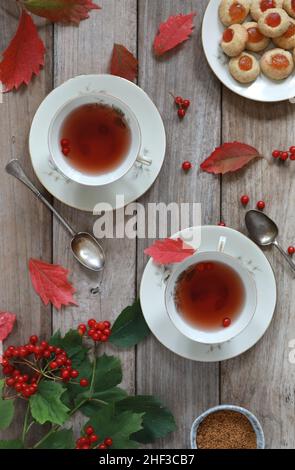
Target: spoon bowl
<point x="261" y="228"/>
<point x="88" y="251"/>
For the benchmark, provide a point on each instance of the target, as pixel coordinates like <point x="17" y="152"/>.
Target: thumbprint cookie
<point x="287" y="41"/>
<point x="289" y="6"/>
<point x="244" y="68"/>
<point x="277" y="64"/>
<point x="233" y="11"/>
<point x="256" y="41"/>
<point x="273" y="23"/>
<point x="233" y="40"/>
<point x="258" y="7"/>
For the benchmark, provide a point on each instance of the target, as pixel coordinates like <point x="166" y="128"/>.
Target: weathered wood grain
<point x="84" y="50"/>
<point x="25" y="223"/>
<point x="187" y="387"/>
<point x="263" y="379"/>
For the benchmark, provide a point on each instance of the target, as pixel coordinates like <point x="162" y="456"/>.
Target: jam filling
<point x="254" y="35"/>
<point x="266" y="4"/>
<point x="245" y="63"/>
<point x="279" y="61"/>
<point x="228" y="35"/>
<point x="273" y="20"/>
<point x="237" y="12"/>
<point x="290" y="31"/>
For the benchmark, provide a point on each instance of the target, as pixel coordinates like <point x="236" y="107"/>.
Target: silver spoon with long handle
<point x="264" y="231"/>
<point x="85" y="247"/>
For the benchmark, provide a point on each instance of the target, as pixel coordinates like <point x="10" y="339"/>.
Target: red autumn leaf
<point x="50" y="282"/>
<point x="24" y="56"/>
<point x="169" y="251"/>
<point x="229" y="157"/>
<point x="64" y="11"/>
<point x="7" y="321"/>
<point x="174" y="31"/>
<point x="123" y="63"/>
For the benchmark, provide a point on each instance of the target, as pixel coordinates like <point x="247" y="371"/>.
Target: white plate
<point x="137" y="181"/>
<point x="263" y="89"/>
<point x="152" y="299"/>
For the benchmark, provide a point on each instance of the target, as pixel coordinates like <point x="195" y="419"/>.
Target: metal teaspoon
<point x="85" y="247"/>
<point x="264" y="231"/>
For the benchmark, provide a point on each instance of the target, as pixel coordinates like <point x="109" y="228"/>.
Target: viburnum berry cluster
<point x="182" y="105"/>
<point x="283" y="155"/>
<point x="25" y="366"/>
<point x="89" y="440"/>
<point x="98" y="331"/>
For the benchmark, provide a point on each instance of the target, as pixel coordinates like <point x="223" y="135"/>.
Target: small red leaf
<point x="174" y="31"/>
<point x="24" y="56"/>
<point x="64" y="11"/>
<point x="123" y="63"/>
<point x="50" y="282"/>
<point x="229" y="157"/>
<point x="169" y="251"/>
<point x="7" y="321"/>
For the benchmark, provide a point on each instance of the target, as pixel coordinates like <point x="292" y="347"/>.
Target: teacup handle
<point x="143" y="160"/>
<point x="221" y="244"/>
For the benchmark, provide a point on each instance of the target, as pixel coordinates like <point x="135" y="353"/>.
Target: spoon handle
<point x="287" y="258"/>
<point x="15" y="169"/>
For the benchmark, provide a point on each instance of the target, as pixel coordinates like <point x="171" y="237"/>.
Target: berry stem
<point x="25" y="426"/>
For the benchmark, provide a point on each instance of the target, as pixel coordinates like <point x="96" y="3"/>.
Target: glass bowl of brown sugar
<point x="227" y="427"/>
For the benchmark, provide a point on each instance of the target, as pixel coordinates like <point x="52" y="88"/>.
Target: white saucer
<point x="153" y="304"/>
<point x="263" y="89"/>
<point x="137" y="181"/>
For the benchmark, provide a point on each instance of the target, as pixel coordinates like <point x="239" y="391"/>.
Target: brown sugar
<point x="226" y="429"/>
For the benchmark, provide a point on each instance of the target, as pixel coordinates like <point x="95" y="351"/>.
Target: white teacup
<point x="244" y="316"/>
<point x="63" y="164"/>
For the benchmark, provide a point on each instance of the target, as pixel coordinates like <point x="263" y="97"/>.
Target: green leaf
<point x="46" y="404"/>
<point x="12" y="444"/>
<point x="6" y="409"/>
<point x="98" y="400"/>
<point x="72" y="343"/>
<point x="130" y="327"/>
<point x="119" y="426"/>
<point x="108" y="373"/>
<point x="157" y="421"/>
<point x="63" y="439"/>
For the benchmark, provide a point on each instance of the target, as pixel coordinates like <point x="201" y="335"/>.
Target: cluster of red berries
<point x="98" y="331"/>
<point x="65" y="146"/>
<point x="89" y="440"/>
<point x="285" y="154"/>
<point x="182" y="105"/>
<point x="58" y="365"/>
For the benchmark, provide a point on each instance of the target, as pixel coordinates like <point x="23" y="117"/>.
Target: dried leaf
<point x="174" y="31"/>
<point x="64" y="11"/>
<point x="7" y="320"/>
<point x="229" y="157"/>
<point x="123" y="63"/>
<point x="169" y="251"/>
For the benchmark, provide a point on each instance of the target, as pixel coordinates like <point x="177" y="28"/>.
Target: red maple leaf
<point x="123" y="63"/>
<point x="64" y="11"/>
<point x="24" y="56"/>
<point x="50" y="282"/>
<point x="174" y="31"/>
<point x="7" y="321"/>
<point x="169" y="251"/>
<point x="229" y="157"/>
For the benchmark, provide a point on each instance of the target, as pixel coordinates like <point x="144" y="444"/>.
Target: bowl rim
<point x="260" y="439"/>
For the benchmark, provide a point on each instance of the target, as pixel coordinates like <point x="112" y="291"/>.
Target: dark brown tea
<point x="95" y="138"/>
<point x="209" y="295"/>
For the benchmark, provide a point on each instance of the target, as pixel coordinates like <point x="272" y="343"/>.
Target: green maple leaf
<point x="72" y="343"/>
<point x="97" y="400"/>
<point x="63" y="439"/>
<point x="130" y="327"/>
<point x="46" y="404"/>
<point x="6" y="409"/>
<point x="118" y="425"/>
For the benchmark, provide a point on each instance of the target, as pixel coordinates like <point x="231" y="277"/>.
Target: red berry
<point x="91" y="323"/>
<point x="181" y="113"/>
<point x="47" y="354"/>
<point x="84" y="383"/>
<point x="291" y="250"/>
<point x="284" y="156"/>
<point x="59" y="362"/>
<point x="186" y="104"/>
<point x="33" y="339"/>
<point x="93" y="438"/>
<point x="65" y="151"/>
<point x="100" y="326"/>
<point x="108" y="441"/>
<point x="260" y="205"/>
<point x="107" y="332"/>
<point x="107" y="324"/>
<point x="10" y="381"/>
<point x="25" y="377"/>
<point x="178" y="100"/>
<point x="276" y="153"/>
<point x="245" y="199"/>
<point x="186" y="166"/>
<point x="82" y="329"/>
<point x="104" y="338"/>
<point x="96" y="336"/>
<point x="65" y="374"/>
<point x="74" y="373"/>
<point x="18" y="387"/>
<point x="82" y="441"/>
<point x="65" y="142"/>
<point x="51" y="348"/>
<point x="58" y="350"/>
<point x="53" y="365"/>
<point x="222" y="224"/>
<point x="292" y="149"/>
<point x="102" y="446"/>
<point x="226" y="322"/>
<point x="91" y="332"/>
<point x="292" y="156"/>
<point x="89" y="430"/>
<point x="5" y="362"/>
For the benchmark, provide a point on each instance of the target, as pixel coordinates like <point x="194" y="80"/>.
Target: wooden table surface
<point x="262" y="379"/>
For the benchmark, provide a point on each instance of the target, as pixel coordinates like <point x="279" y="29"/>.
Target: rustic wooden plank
<point x="187" y="387"/>
<point x="83" y="50"/>
<point x="263" y="379"/>
<point x="26" y="224"/>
